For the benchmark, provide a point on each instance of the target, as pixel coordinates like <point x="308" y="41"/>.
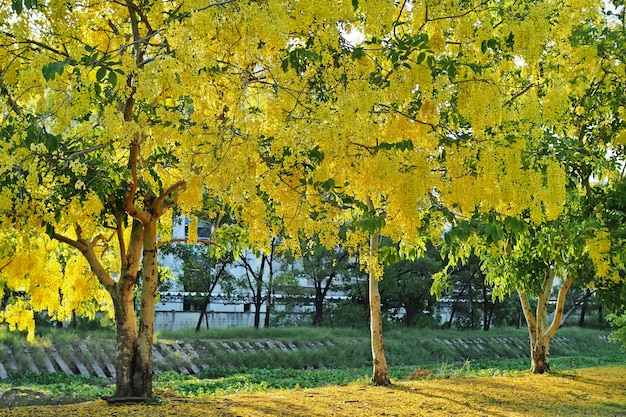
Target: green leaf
<point x="393" y="55"/>
<point x="483" y="46"/>
<point x="52" y="142"/>
<point x="452" y="69"/>
<point x="430" y="62"/>
<point x="357" y="53"/>
<point x="389" y="255"/>
<point x="49" y="229"/>
<point x="100" y="74"/>
<point x="355" y="4"/>
<point x="17" y="6"/>
<point x="421" y="57"/>
<point x="515" y="225"/>
<point x="371" y="224"/>
<point x="112" y="78"/>
<point x="53" y="69"/>
<point x="327" y="185"/>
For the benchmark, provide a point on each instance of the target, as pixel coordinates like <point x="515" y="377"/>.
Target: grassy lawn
<point x="583" y="392"/>
<point x="461" y="373"/>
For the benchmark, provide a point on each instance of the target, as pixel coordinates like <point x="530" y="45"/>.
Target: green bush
<point x="619" y="335"/>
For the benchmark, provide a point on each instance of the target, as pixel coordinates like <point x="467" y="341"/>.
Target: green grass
<point x="58" y="384"/>
<point x="344" y="360"/>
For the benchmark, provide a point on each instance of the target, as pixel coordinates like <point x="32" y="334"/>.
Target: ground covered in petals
<point x="583" y="392"/>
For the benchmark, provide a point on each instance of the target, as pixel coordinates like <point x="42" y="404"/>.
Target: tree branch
<point x="158" y="203"/>
<point x="518" y="94"/>
<point x="129" y="204"/>
<point x="96" y="267"/>
<point x="558" y="313"/>
<point x="527" y="310"/>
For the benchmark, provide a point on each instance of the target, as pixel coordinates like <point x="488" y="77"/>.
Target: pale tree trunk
<point x="380" y="374"/>
<point x="541" y="334"/>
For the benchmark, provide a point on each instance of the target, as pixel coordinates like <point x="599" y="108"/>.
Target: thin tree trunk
<point x="486" y="305"/>
<point x="268" y="309"/>
<point x="257" y="314"/>
<point x="411" y="310"/>
<point x="380" y="372"/>
<point x="319" y="306"/>
<point x="270" y="286"/>
<point x="583" y="309"/>
<point x="205" y="304"/>
<point x="207" y="298"/>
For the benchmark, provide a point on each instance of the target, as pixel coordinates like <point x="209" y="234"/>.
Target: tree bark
<point x="380" y="374"/>
<point x="205" y="304"/>
<point x="126" y="328"/>
<point x="149" y="288"/>
<point x="154" y="208"/>
<point x="540" y="334"/>
<point x="122" y="295"/>
<point x="412" y="308"/>
<point x="319" y="306"/>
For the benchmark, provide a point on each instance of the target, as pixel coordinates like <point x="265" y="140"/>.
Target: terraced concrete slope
<point x="97" y="357"/>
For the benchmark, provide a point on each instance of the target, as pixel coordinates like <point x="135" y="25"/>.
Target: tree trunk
<point x="258" y="303"/>
<point x="122" y="295"/>
<point x="540" y="333"/>
<point x="149" y="288"/>
<point x="487" y="311"/>
<point x="205" y="305"/>
<point x="583" y="309"/>
<point x="257" y="316"/>
<point x="380" y="372"/>
<point x="452" y="312"/>
<point x="411" y="310"/>
<point x="319" y="306"/>
<point x="489" y="316"/>
<point x="540" y="356"/>
<point x="126" y="344"/>
<point x="268" y="310"/>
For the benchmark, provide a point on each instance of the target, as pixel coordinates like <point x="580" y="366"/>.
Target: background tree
<point x="257" y="282"/>
<point x="324" y="268"/>
<point x="406" y="288"/>
<point x="201" y="272"/>
<point x="536" y="249"/>
<point x="472" y="302"/>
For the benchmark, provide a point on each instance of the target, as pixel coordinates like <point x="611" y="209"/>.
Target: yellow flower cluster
<point x="598" y="249"/>
<point x="19" y="316"/>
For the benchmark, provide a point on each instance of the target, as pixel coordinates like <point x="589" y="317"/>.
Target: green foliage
<point x="407" y="287"/>
<point x="53" y="69"/>
<point x="619" y="335"/>
<point x="200" y="270"/>
<point x="59" y="384"/>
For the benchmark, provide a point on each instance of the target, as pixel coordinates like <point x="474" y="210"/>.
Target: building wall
<point x="178" y="320"/>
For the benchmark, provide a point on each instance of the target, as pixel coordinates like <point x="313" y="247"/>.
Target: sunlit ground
<point x="584" y="392"/>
